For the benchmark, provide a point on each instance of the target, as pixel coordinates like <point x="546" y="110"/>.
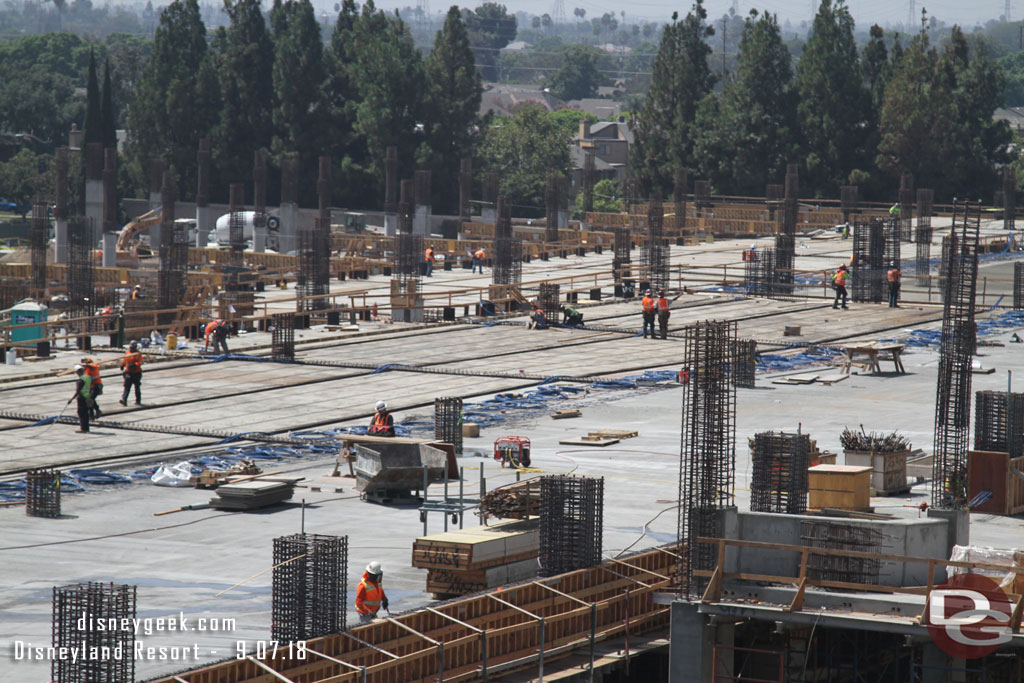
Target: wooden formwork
<point x="488" y="634"/>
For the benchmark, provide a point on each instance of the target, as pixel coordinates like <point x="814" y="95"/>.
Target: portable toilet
<point x="25" y="312"/>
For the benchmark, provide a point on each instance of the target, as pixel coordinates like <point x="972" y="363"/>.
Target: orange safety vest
<point x="210" y="327"/>
<point x="93" y="371"/>
<point x="430" y="255"/>
<point x="648" y="304"/>
<point x="662" y="305"/>
<point x="479" y="253"/>
<point x="132" y="363"/>
<point x="369" y="596"/>
<point x="380" y="418"/>
<point x="894" y="275"/>
<point x="840" y="278"/>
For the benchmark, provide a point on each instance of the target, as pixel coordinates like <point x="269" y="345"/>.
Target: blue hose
<point x="99" y="477"/>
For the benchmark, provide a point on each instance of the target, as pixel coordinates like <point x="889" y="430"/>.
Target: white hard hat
<point x="78" y="367"/>
<point x="381" y="405"/>
<point x="374" y="568"/>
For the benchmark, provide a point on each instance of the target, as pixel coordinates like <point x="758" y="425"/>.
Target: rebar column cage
<point x="868" y="260"/>
<point x="448" y="421"/>
<point x="42" y="492"/>
<point x="1018" y="286"/>
<point x="551" y="205"/>
<point x="760" y="278"/>
<point x="236" y="224"/>
<point x="654" y="257"/>
<point x="773" y="198"/>
<point x="39" y="241"/>
<point x="571" y="523"/>
<point x="956" y="349"/>
<point x="81" y="270"/>
<point x="1009" y="197"/>
<point x="831" y="535"/>
<point x="465" y="189"/>
<point x="923" y="235"/>
<point x="999" y="422"/>
<point x="895" y="230"/>
<point x="906" y="199"/>
<point x="680" y="185"/>
<point x="744" y="363"/>
<point x="508" y="250"/>
<point x="779" y="477"/>
<point x="707" y="468"/>
<point x="282" y="338"/>
<point x="701" y="196"/>
<point x="622" y="246"/>
<point x="312" y="280"/>
<point x="848" y="198"/>
<point x="308" y="586"/>
<point x="780" y="275"/>
<point x="549" y="300"/>
<point x="107" y="604"/>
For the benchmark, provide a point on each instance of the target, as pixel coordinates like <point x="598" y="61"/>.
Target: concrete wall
<point x="913" y="537"/>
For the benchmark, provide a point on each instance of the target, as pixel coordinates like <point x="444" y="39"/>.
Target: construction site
<point x="772" y="487"/>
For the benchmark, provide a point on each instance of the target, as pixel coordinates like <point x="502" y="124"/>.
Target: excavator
<point x="127" y="240"/>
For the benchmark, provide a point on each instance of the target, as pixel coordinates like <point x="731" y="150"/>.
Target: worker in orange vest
<point x="648" y="311"/>
<point x="137" y="292"/>
<point x="429" y="259"/>
<point x="93" y="370"/>
<point x="131" y="368"/>
<point x="663" y="315"/>
<point x="370" y="595"/>
<point x="839" y="280"/>
<point x="893" y="276"/>
<point x="218" y="331"/>
<point x="382" y="423"/>
<point x="478" y="260"/>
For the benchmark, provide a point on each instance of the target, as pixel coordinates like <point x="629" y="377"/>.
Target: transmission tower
<point x="558" y="12"/>
<point x="423" y="9"/>
<point x="910" y="15"/>
<point x="1006" y="14"/>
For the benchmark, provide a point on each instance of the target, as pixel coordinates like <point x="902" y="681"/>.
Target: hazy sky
<point x="865" y="12"/>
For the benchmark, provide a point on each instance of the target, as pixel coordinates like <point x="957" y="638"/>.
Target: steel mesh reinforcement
<point x="868" y="276"/>
<point x="313" y="279"/>
<point x="760" y="278"/>
<point x="779" y="478"/>
<point x="744" y="363"/>
<point x="835" y="536"/>
<point x="39" y="240"/>
<point x="236" y="224"/>
<point x="508" y="250"/>
<point x="999" y="422"/>
<point x="104" y="604"/>
<point x="309" y="586"/>
<point x="956" y="351"/>
<point x="549" y="300"/>
<point x="1018" y="286"/>
<point x="654" y="257"/>
<point x="620" y="259"/>
<point x="707" y="469"/>
<point x="1009" y="197"/>
<point x="42" y="492"/>
<point x="448" y="421"/>
<point x="773" y="199"/>
<point x="407" y="258"/>
<point x="282" y="338"/>
<point x="571" y="523"/>
<point x="81" y="270"/>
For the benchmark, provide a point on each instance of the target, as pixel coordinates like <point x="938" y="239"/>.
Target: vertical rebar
<point x="448" y="422"/>
<point x="572" y="511"/>
<point x="779" y="475"/>
<point x="308" y="586"/>
<point x="105" y="605"/>
<point x="42" y="492"/>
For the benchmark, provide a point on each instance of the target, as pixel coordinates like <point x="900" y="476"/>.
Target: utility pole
<point x="725" y="29"/>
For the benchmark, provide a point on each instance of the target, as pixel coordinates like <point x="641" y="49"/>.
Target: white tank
<point x="221" y="236"/>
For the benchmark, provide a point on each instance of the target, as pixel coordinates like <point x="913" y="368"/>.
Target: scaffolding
<point x="448" y="421"/>
<point x="869" y="246"/>
<point x="549" y="300"/>
<point x="42" y="492"/>
<point x="622" y="247"/>
<point x="107" y="604"/>
<point x="655" y="255"/>
<point x="571" y="523"/>
<point x="956" y="350"/>
<point x="308" y="586"/>
<point x="707" y="469"/>
<point x="39" y="241"/>
<point x="999" y="422"/>
<point x="779" y="479"/>
<point x="832" y="535"/>
<point x="744" y="363"/>
<point x="282" y="338"/>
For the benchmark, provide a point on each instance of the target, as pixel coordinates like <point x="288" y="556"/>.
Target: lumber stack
<point x="253" y="495"/>
<point x="475" y="559"/>
<point x="515" y="501"/>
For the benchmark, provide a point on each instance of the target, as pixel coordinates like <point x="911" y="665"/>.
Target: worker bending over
<point x="894" y="276"/>
<point x="663" y="315"/>
<point x="92" y="369"/>
<point x="839" y="280"/>
<point x="648" y="310"/>
<point x="131" y="369"/>
<point x="218" y="331"/>
<point x="571" y="317"/>
<point x="382" y="423"/>
<point x="83" y="396"/>
<point x="538" y="321"/>
<point x="370" y="595"/>
<point x="478" y="260"/>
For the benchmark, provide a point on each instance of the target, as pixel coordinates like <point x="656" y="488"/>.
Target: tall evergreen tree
<point x="876" y="67"/>
<point x="744" y="139"/>
<point x="451" y="108"/>
<point x="93" y="127"/>
<point x="109" y="114"/>
<point x="681" y="78"/>
<point x="490" y="28"/>
<point x="340" y="97"/>
<point x="245" y="70"/>
<point x="578" y="76"/>
<point x="176" y="101"/>
<point x="832" y="101"/>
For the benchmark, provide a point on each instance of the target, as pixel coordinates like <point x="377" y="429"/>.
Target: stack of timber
<point x="520" y="500"/>
<point x="253" y="495"/>
<point x="475" y="559"/>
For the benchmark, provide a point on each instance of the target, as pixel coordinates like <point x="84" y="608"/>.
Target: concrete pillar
<point x="421" y="216"/>
<point x="110" y="213"/>
<point x="692" y="644"/>
<point x="287" y="237"/>
<point x="934" y="664"/>
<point x="958" y="532"/>
<point x="390" y="224"/>
<point x="156" y="179"/>
<point x="204" y="216"/>
<point x="391" y="184"/>
<point x="110" y="250"/>
<point x="94" y="191"/>
<point x="61" y="209"/>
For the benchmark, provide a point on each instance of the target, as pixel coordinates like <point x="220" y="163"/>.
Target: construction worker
<point x="839" y="280"/>
<point x="571" y="317"/>
<point x="663" y="315"/>
<point x="429" y="261"/>
<point x="648" y="310"/>
<point x="538" y="321"/>
<point x="83" y="395"/>
<point x="218" y="331"/>
<point x="131" y="370"/>
<point x="382" y="423"/>
<point x="137" y="292"/>
<point x="93" y="371"/>
<point x="894" y="276"/>
<point x="894" y="211"/>
<point x="478" y="260"/>
<point x="370" y="595"/>
<point x="846" y="230"/>
<point x="108" y="317"/>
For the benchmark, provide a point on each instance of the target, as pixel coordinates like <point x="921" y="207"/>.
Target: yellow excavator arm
<point x="132" y="229"/>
